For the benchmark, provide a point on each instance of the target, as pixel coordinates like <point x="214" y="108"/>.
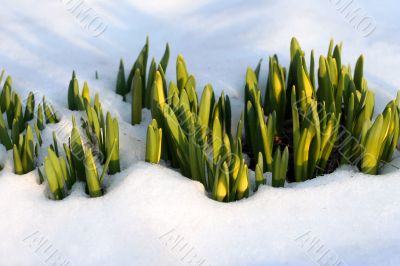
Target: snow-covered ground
<point x="151" y="215"/>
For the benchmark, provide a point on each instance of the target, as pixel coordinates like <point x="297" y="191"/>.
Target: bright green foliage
<point x="121" y="87"/>
<point x="5" y="97"/>
<point x="313" y="139"/>
<point x="70" y="163"/>
<point x="175" y="137"/>
<point x="358" y="110"/>
<point x="15" y="111"/>
<point x="73" y="92"/>
<point x="206" y="103"/>
<point x="158" y="97"/>
<point x="190" y="89"/>
<point x="150" y="84"/>
<point x="137" y="90"/>
<point x="15" y="130"/>
<point x="164" y="80"/>
<point x="24" y="153"/>
<point x="142" y="83"/>
<point x="141" y="64"/>
<point x="92" y="178"/>
<point x="222" y="111"/>
<point x="57" y="166"/>
<point x="76" y="102"/>
<point x="258" y="69"/>
<point x="146" y="80"/>
<point x="260" y="133"/>
<point x="30" y="107"/>
<point x="221" y="183"/>
<point x="40" y="121"/>
<point x="379" y="140"/>
<point x="38" y="134"/>
<point x="50" y="113"/>
<point x="280" y="167"/>
<point x="184" y="125"/>
<point x="112" y="134"/>
<point x="77" y="153"/>
<point x="259" y="171"/>
<point x="241" y="185"/>
<point x="54" y="177"/>
<point x="342" y="101"/>
<point x="275" y="93"/>
<point x="4" y="137"/>
<point x="299" y="111"/>
<point x="181" y="73"/>
<point x="229" y="176"/>
<point x="11" y="104"/>
<point x="102" y="133"/>
<point x="221" y="128"/>
<point x="153" y="146"/>
<point x="95" y="125"/>
<point x="299" y="77"/>
<point x="165" y="58"/>
<point x="359" y="72"/>
<point x="62" y="172"/>
<point x="55" y="144"/>
<point x="18" y="169"/>
<point x="27" y="151"/>
<point x="86" y="93"/>
<point x="59" y="173"/>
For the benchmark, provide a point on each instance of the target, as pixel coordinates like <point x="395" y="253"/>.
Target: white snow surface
<point x="152" y="215"/>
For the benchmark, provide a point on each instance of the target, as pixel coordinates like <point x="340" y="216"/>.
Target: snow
<point x="150" y="214"/>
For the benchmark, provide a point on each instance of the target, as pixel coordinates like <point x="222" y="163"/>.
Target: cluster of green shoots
<point x="196" y="136"/>
<point x="323" y="124"/>
<point x="77" y="163"/>
<point x="102" y="133"/>
<point x="193" y="133"/>
<point x="16" y="132"/>
<point x="76" y="101"/>
<point x="139" y="83"/>
<point x="302" y="128"/>
<point x="310" y="121"/>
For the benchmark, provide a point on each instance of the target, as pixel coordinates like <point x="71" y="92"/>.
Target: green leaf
<point x="165" y="58"/>
<point x="181" y="72"/>
<point x="51" y="175"/>
<point x="4" y="137"/>
<point x="259" y="171"/>
<point x="77" y="154"/>
<point x="137" y="98"/>
<point x="92" y="178"/>
<point x="40" y="122"/>
<point x="112" y="132"/>
<point x="205" y="108"/>
<point x="18" y="169"/>
<point x="359" y="72"/>
<point x="30" y="107"/>
<point x="121" y="83"/>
